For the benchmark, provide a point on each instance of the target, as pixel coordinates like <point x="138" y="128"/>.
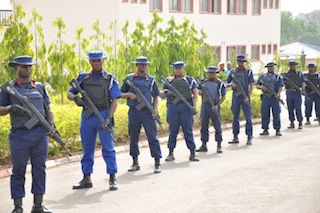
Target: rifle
<point x="272" y="92"/>
<point x="240" y="88"/>
<point x="179" y="97"/>
<point x="206" y="93"/>
<point x="292" y="84"/>
<point x="90" y="107"/>
<point x="313" y="87"/>
<point x="142" y="100"/>
<point x="35" y="115"/>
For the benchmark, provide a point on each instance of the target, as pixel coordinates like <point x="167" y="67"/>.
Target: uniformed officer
<point x="102" y="87"/>
<point x="27" y="143"/>
<point x="245" y="77"/>
<point x="148" y="86"/>
<point x="268" y="100"/>
<point x="217" y="91"/>
<point x="294" y="99"/>
<point x="312" y="97"/>
<point x="179" y="114"/>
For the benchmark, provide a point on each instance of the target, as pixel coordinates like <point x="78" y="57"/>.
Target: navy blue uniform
<point x="294" y="99"/>
<point x="91" y="125"/>
<point x="149" y="88"/>
<point x="180" y="115"/>
<point x="216" y="90"/>
<point x="312" y="97"/>
<point x="27" y="143"/>
<point x="268" y="101"/>
<point x="246" y="78"/>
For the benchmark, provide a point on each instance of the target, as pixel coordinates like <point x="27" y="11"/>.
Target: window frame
<point x="253" y="7"/>
<point x="210" y="8"/>
<point x="152" y="7"/>
<point x="253" y="58"/>
<point x="236" y="6"/>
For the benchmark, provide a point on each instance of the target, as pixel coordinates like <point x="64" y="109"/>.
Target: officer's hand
<point x="264" y="89"/>
<point x="168" y="93"/>
<point x="303" y="92"/>
<point x="107" y="124"/>
<point x="132" y="96"/>
<point x="78" y="101"/>
<point x="215" y="108"/>
<point x="154" y="115"/>
<point x="233" y="86"/>
<point x="246" y="100"/>
<point x="277" y="96"/>
<point x="51" y="133"/>
<point x="17" y="109"/>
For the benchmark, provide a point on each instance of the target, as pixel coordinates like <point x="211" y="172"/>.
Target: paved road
<point x="275" y="174"/>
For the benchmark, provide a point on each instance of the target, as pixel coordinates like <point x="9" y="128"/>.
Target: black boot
<point x="300" y="125"/>
<point x="278" y="133"/>
<point x="291" y="126"/>
<point x="17" y="206"/>
<point x="249" y="140"/>
<point x="265" y="132"/>
<point x="203" y="147"/>
<point x="308" y="122"/>
<point x="84" y="183"/>
<point x="193" y="156"/>
<point x="170" y="157"/>
<point x="113" y="182"/>
<point x="157" y="166"/>
<point x="38" y="207"/>
<point x="135" y="166"/>
<point x="235" y="139"/>
<point x="219" y="148"/>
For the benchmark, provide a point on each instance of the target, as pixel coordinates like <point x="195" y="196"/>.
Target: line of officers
<point x="104" y="91"/>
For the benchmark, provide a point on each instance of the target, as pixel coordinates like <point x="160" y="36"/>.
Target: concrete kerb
<point x="125" y="148"/>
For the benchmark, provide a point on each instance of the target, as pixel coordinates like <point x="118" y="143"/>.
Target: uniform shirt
<point x="244" y="81"/>
<point x="114" y="91"/>
<point x="273" y="80"/>
<point x="5" y="97"/>
<point x="146" y="84"/>
<point x="220" y="92"/>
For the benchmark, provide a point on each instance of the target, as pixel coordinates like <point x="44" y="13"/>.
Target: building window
<point x="187" y="6"/>
<point x="237" y="7"/>
<point x="269" y="48"/>
<point x="265" y="4"/>
<point x="217" y="50"/>
<point x="241" y="50"/>
<point x="256" y="7"/>
<point x="143" y="1"/>
<point x="125" y="1"/>
<point x="270" y="4"/>
<point x="255" y="52"/>
<point x="174" y="5"/>
<point x="275" y="48"/>
<point x="156" y="5"/>
<point x="134" y="1"/>
<point x="276" y="4"/>
<point x="210" y="6"/>
<point x="263" y="49"/>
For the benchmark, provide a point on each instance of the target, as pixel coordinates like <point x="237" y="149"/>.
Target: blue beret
<point x="293" y="62"/>
<point x="240" y="57"/>
<point x="212" y="69"/>
<point x="22" y="60"/>
<point x="96" y="54"/>
<point x="178" y="64"/>
<point x="141" y="60"/>
<point x="270" y="64"/>
<point x="311" y="65"/>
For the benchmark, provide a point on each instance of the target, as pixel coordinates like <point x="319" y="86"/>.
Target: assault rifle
<point x="313" y="87"/>
<point x="90" y="107"/>
<point x="179" y="97"/>
<point x="142" y="100"/>
<point x="35" y="115"/>
<point x="240" y="88"/>
<point x="292" y="84"/>
<point x="272" y="92"/>
<point x="206" y="93"/>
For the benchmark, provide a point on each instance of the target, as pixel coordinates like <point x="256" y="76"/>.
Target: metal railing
<point x="5" y="17"/>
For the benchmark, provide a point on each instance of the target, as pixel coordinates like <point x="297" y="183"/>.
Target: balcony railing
<point x="5" y="17"/>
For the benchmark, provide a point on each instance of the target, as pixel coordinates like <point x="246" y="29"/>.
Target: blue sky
<point x="294" y="6"/>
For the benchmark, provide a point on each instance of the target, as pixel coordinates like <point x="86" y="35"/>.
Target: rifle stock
<point x="90" y="107"/>
<point x="35" y="115"/>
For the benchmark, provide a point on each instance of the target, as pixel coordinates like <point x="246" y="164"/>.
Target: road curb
<point x="124" y="148"/>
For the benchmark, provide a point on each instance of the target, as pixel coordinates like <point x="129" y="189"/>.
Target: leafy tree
<point x="83" y="44"/>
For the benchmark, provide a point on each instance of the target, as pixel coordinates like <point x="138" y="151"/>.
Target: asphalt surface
<point x="275" y="174"/>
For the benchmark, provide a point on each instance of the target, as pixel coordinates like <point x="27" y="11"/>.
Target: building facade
<point x="250" y="27"/>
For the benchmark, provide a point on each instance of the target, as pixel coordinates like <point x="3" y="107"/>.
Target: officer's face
<point x="240" y="63"/>
<point x="270" y="69"/>
<point x="142" y="67"/>
<point x="96" y="65"/>
<point x="211" y="75"/>
<point x="178" y="71"/>
<point x="292" y="67"/>
<point x="24" y="71"/>
<point x="312" y="69"/>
